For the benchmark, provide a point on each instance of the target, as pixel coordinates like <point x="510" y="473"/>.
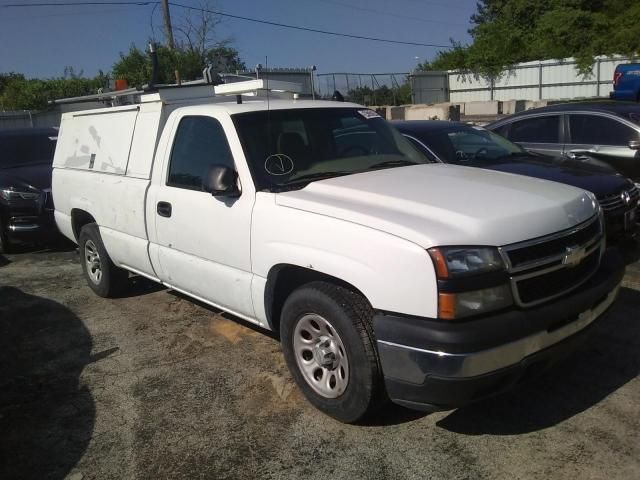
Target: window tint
<point x="595" y="130"/>
<point x="21" y="149"/>
<point x="286" y="148"/>
<point x="200" y="142"/>
<point x="502" y="130"/>
<point x="461" y="144"/>
<point x="422" y="148"/>
<point x="535" y="130"/>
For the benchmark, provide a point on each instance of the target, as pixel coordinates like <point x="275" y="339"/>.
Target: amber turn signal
<point x="440" y="263"/>
<point x="447" y="306"/>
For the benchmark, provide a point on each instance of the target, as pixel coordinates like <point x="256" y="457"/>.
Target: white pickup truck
<point x="385" y="275"/>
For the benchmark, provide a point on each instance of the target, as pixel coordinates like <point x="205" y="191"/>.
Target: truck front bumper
<point x="437" y="365"/>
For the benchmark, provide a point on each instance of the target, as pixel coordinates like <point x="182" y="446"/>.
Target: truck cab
<point x="385" y="275"/>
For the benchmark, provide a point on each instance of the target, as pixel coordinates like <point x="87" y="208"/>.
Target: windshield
<point x="461" y="144"/>
<point x="20" y="150"/>
<point x="287" y="149"/>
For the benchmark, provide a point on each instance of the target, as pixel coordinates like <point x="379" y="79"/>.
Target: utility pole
<point x="168" y="32"/>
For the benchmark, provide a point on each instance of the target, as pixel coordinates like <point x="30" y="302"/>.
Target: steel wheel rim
<point x="92" y="261"/>
<point x="321" y="356"/>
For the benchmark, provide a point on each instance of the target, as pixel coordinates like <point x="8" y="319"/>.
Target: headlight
<point x="11" y="193"/>
<point x="452" y="262"/>
<point x="469" y="281"/>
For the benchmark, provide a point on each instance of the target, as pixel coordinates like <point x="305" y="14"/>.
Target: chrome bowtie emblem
<point x="573" y="256"/>
<point x="626" y="197"/>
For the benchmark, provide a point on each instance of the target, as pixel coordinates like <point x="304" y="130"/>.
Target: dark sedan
<point x="26" y="208"/>
<point x="462" y="144"/>
<point x="596" y="132"/>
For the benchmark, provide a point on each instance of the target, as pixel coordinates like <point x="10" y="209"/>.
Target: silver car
<point x="596" y="132"/>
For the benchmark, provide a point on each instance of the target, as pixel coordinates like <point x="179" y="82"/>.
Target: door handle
<point x="164" y="209"/>
<point x="579" y="153"/>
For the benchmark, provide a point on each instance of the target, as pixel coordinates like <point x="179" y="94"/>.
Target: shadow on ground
<point x="630" y="250"/>
<point x="57" y="243"/>
<point x="138" y="286"/>
<point x="46" y="416"/>
<point x="227" y="315"/>
<point x="608" y="361"/>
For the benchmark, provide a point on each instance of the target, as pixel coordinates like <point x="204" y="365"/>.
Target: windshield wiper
<point x="392" y="163"/>
<point x="316" y="176"/>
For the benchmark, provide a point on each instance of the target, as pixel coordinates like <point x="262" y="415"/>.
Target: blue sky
<point x="40" y="42"/>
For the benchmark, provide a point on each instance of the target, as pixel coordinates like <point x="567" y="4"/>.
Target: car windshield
<point x="26" y="149"/>
<point x="287" y="149"/>
<point x="464" y="144"/>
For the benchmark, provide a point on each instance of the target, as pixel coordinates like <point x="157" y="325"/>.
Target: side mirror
<point x="634" y="144"/>
<point x="221" y="181"/>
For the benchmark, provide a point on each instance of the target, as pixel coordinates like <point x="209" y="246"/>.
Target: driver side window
<point x="199" y="143"/>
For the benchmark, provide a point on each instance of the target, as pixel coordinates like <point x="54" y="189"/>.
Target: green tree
<point x="135" y="65"/>
<point x="381" y="96"/>
<point x="506" y="32"/>
<point x="196" y="46"/>
<point x="20" y="93"/>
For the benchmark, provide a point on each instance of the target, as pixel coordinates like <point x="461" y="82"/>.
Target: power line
<point x="68" y="4"/>
<point x="307" y="29"/>
<point x="228" y="15"/>
<point x="389" y="14"/>
<point x="67" y="14"/>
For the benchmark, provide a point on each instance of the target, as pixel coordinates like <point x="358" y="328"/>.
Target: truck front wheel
<point x="101" y="274"/>
<point x="329" y="346"/>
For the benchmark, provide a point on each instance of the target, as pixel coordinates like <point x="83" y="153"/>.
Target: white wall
<point x="559" y="79"/>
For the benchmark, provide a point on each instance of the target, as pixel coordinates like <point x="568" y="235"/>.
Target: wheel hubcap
<point x="92" y="260"/>
<point x="321" y="356"/>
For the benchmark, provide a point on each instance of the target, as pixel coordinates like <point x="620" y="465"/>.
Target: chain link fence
<point x="366" y="88"/>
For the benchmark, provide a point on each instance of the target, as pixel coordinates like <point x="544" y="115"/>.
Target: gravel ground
<point x="154" y="386"/>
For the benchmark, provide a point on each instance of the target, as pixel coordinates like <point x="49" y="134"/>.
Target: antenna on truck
<point x="266" y="65"/>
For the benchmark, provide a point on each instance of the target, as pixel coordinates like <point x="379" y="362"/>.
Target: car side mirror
<point x="634" y="144"/>
<point x="221" y="181"/>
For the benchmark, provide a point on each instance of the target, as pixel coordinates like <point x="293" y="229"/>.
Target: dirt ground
<point x="153" y="386"/>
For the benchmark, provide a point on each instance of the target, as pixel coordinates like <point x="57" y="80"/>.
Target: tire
<point x="5" y="243"/>
<point x="102" y="276"/>
<point x="346" y="350"/>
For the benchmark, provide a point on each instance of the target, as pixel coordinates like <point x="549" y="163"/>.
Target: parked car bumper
<point x="437" y="365"/>
<point x="622" y="95"/>
<point x="622" y="224"/>
<point x="29" y="228"/>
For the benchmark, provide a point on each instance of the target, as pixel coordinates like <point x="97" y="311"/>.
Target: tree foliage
<point x="196" y="47"/>
<point x="506" y="32"/>
<point x="135" y="65"/>
<point x="19" y="93"/>
<point x="381" y="96"/>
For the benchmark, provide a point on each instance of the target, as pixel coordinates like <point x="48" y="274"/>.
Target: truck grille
<point x="547" y="267"/>
<point x="619" y="200"/>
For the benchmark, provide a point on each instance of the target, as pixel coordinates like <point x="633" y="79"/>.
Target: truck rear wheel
<point x="101" y="274"/>
<point x="329" y="346"/>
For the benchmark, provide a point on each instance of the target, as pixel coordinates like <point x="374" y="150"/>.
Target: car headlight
<point x="452" y="262"/>
<point x="471" y="281"/>
<point x="13" y="193"/>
